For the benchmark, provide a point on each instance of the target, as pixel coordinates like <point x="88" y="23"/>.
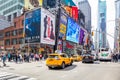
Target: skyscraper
<point x="117" y="27"/>
<point x="85" y="7"/>
<point x="102" y="23"/>
<point x="11" y="8"/>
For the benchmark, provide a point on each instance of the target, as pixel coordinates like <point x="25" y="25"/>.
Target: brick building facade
<point x="13" y="35"/>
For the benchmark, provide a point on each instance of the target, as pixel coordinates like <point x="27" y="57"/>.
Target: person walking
<point x="4" y="59"/>
<point x="118" y="57"/>
<point x="9" y="56"/>
<point x="0" y="59"/>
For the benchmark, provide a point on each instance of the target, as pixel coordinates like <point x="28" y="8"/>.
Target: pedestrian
<point x="20" y="58"/>
<point x="9" y="56"/>
<point x="0" y="59"/>
<point x="36" y="57"/>
<point x="27" y="57"/>
<point x="40" y="56"/>
<point x="16" y="57"/>
<point x="4" y="59"/>
<point x="118" y="57"/>
<point x="32" y="56"/>
<point x="113" y="57"/>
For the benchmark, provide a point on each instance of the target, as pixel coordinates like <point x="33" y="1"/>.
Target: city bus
<point x="104" y="54"/>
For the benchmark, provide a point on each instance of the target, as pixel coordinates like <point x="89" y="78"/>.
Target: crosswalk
<point x="12" y="76"/>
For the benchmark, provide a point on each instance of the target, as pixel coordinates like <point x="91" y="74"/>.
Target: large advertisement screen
<point x="32" y="26"/>
<point x="75" y="12"/>
<point x="63" y="25"/>
<point x="73" y="30"/>
<point x="47" y="27"/>
<point x="81" y="41"/>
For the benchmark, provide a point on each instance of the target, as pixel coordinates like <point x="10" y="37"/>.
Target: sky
<point x="110" y="18"/>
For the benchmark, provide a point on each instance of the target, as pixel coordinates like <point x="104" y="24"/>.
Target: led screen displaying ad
<point x="47" y="27"/>
<point x="75" y="12"/>
<point x="81" y="37"/>
<point x="63" y="24"/>
<point x="32" y="26"/>
<point x="73" y="30"/>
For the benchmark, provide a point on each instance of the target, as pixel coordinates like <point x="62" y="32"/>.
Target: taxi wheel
<point x="71" y="63"/>
<point x="63" y="65"/>
<point x="49" y="67"/>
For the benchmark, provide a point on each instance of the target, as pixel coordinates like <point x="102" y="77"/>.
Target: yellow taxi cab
<point x="58" y="60"/>
<point x="77" y="58"/>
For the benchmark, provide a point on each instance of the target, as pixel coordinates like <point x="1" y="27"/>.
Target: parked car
<point x="77" y="58"/>
<point x="88" y="58"/>
<point x="58" y="60"/>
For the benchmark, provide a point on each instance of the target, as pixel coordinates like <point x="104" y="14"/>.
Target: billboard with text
<point x="32" y="26"/>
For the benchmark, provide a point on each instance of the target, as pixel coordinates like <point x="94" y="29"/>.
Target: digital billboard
<point x="63" y="25"/>
<point x="32" y="26"/>
<point x="73" y="30"/>
<point x="60" y="45"/>
<point x="81" y="37"/>
<point x="47" y="27"/>
<point x="85" y="38"/>
<point x="68" y="9"/>
<point x="75" y="12"/>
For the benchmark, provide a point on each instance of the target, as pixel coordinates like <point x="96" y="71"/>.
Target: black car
<point x="88" y="58"/>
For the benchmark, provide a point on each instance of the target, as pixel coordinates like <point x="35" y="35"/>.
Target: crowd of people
<point x="116" y="57"/>
<point x="20" y="57"/>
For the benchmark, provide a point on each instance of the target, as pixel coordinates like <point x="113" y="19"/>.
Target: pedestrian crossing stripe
<point x="12" y="76"/>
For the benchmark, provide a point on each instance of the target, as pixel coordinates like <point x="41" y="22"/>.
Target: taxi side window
<point x="63" y="56"/>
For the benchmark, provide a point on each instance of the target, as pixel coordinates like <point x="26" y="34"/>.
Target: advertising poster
<point x="81" y="37"/>
<point x="59" y="46"/>
<point x="75" y="13"/>
<point x="63" y="24"/>
<point x="31" y="4"/>
<point x="68" y="10"/>
<point x="47" y="27"/>
<point x="85" y="38"/>
<point x="68" y="47"/>
<point x="32" y="26"/>
<point x="73" y="30"/>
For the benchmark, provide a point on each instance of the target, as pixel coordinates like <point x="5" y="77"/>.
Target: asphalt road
<point x="78" y="71"/>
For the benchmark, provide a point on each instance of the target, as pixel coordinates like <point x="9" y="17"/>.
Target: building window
<point x="22" y="1"/>
<point x="14" y="24"/>
<point x="15" y="15"/>
<point x="102" y="14"/>
<point x="14" y="41"/>
<point x="22" y="22"/>
<point x="20" y="40"/>
<point x="9" y="18"/>
<point x="20" y="31"/>
<point x="51" y="3"/>
<point x="14" y="33"/>
<point x="7" y="34"/>
<point x="7" y="42"/>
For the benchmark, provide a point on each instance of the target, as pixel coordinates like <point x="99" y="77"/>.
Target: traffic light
<point x="92" y="33"/>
